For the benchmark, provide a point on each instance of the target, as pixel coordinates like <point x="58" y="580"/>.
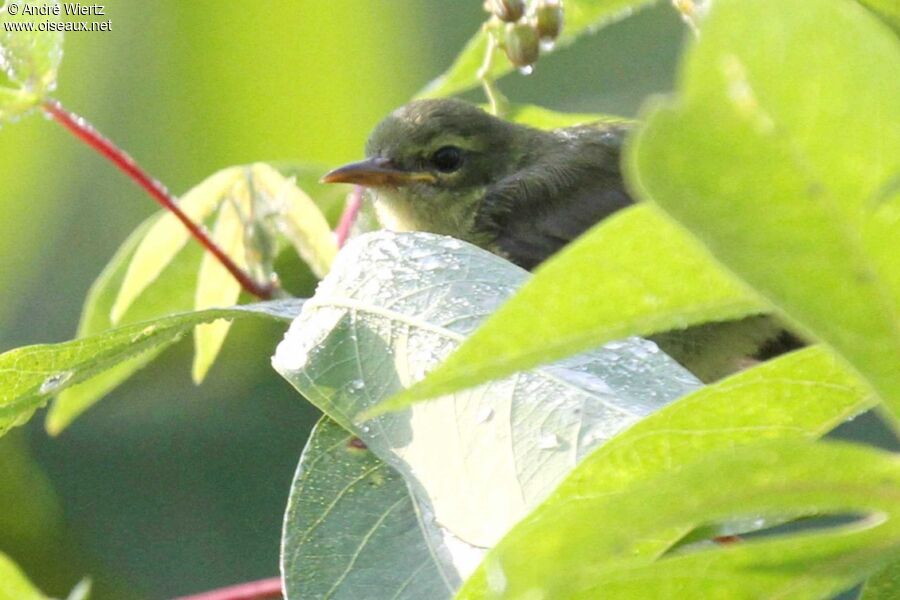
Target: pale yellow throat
<point x="453" y="215"/>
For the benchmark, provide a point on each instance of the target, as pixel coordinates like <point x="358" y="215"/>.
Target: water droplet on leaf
<point x="55" y="382"/>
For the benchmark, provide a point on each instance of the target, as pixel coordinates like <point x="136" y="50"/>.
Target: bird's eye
<point x="447" y="159"/>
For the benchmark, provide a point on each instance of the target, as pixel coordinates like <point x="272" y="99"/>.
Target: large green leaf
<point x="581" y="17"/>
<point x="801" y="395"/>
<point x="477" y="461"/>
<point x="782" y="155"/>
<point x="351" y="527"/>
<point x="29" y="60"/>
<point x="594" y="548"/>
<point x="30" y="375"/>
<point x="634" y="274"/>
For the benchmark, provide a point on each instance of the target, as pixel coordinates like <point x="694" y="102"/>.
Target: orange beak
<point x="376" y="172"/>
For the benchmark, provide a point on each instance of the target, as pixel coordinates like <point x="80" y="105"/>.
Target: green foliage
<point x="783" y="161"/>
<point x="34" y="373"/>
<point x="251" y="206"/>
<point x="572" y="559"/>
<point x="28" y="59"/>
<point x="884" y="585"/>
<point x="773" y="180"/>
<point x="171" y="292"/>
<point x="802" y="395"/>
<point x="613" y="282"/>
<point x="391" y="308"/>
<point x="14" y="585"/>
<point x="365" y="535"/>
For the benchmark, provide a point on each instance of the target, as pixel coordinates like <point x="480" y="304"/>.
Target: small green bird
<point x="446" y="166"/>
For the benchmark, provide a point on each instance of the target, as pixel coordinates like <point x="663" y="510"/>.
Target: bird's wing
<point x="536" y="211"/>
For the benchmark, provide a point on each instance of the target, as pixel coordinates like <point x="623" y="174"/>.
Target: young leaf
<point x="14" y="585"/>
<point x="581" y="17"/>
<point x="167" y="236"/>
<point x="215" y="285"/>
<point x="804" y="394"/>
<point x="365" y="536"/>
<point x="300" y="220"/>
<point x="783" y="160"/>
<point x="615" y="281"/>
<point x="392" y="307"/>
<point x="29" y="59"/>
<point x="34" y="373"/>
<point x="592" y="548"/>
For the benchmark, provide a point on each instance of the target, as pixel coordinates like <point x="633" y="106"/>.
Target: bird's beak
<point x="376" y="172"/>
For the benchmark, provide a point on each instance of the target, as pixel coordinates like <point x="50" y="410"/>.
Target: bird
<point x="446" y="166"/>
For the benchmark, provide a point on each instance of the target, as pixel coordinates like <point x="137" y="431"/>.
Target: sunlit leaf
<point x="14" y="585"/>
<point x="783" y="158"/>
<point x="801" y="395"/>
<point x="30" y="375"/>
<point x="364" y="536"/>
<point x="29" y="60"/>
<point x="299" y="218"/>
<point x="392" y="307"/>
<point x="167" y="236"/>
<point x="634" y="274"/>
<point x="581" y="17"/>
<point x="216" y="287"/>
<point x="592" y="548"/>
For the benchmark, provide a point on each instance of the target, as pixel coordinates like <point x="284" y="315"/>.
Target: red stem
<point x="348" y="217"/>
<point x="264" y="589"/>
<point x="93" y="138"/>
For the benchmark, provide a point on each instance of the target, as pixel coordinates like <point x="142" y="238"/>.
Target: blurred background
<point x="163" y="488"/>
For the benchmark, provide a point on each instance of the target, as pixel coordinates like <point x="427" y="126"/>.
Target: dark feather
<point x="564" y="190"/>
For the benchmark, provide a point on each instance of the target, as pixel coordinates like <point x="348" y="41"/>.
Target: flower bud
<point x="549" y="19"/>
<point x="507" y="10"/>
<point x="522" y="44"/>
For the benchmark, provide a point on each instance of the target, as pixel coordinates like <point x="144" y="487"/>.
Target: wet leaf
<point x="29" y="60"/>
<point x="635" y="273"/>
<point x="351" y="527"/>
<point x="392" y="307"/>
<point x="802" y="395"/>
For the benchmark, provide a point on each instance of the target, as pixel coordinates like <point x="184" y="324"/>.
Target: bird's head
<point x="429" y="162"/>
